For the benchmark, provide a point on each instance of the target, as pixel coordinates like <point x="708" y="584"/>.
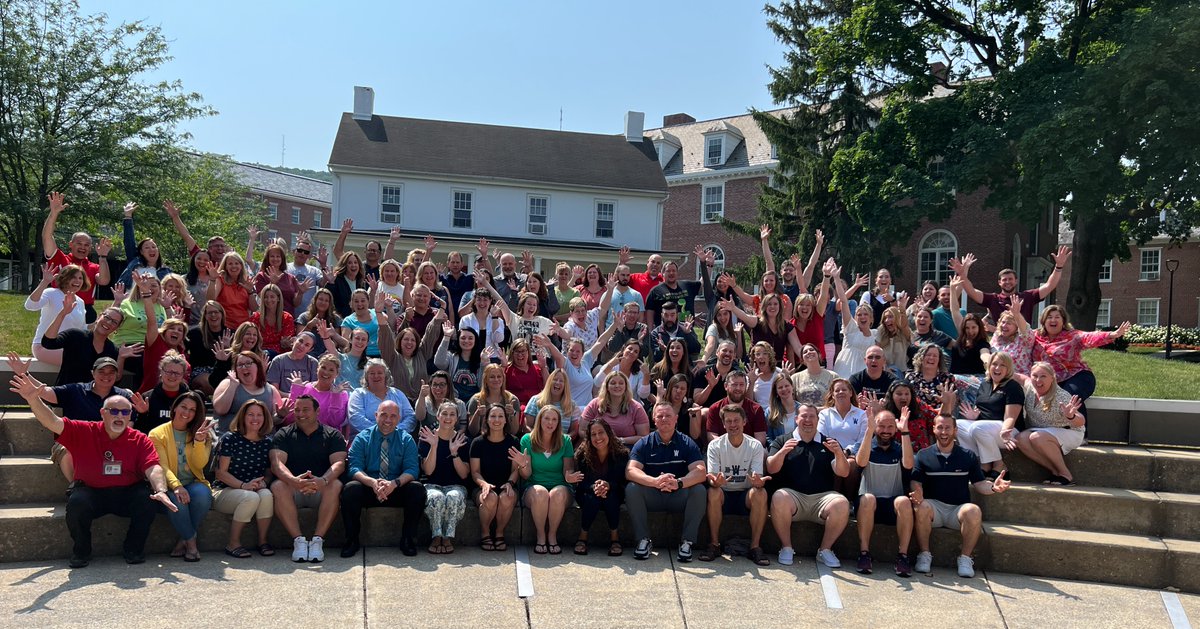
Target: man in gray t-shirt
<point x="886" y="463"/>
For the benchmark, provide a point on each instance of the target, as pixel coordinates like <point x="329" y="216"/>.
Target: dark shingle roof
<point x="476" y="150"/>
<point x="265" y="180"/>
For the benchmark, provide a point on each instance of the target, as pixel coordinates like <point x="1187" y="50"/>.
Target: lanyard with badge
<point x="111" y="466"/>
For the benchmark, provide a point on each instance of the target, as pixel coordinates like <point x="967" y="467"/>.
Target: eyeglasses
<point x="110" y="319"/>
<point x="303" y="251"/>
<point x="123" y="412"/>
<point x="438" y="384"/>
<point x="173" y="373"/>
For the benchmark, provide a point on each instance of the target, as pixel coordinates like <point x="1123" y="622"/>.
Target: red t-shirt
<point x="102" y="462"/>
<point x="150" y="358"/>
<point x="91" y="269"/>
<point x="643" y="283"/>
<point x="523" y="384"/>
<point x="997" y="303"/>
<point x="272" y="338"/>
<point x="813" y="332"/>
<point x="756" y="420"/>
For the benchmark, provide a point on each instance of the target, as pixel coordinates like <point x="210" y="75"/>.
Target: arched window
<point x="718" y="262"/>
<point x="937" y="247"/>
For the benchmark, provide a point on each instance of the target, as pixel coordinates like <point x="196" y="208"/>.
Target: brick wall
<point x="1126" y="286"/>
<point x="283" y="224"/>
<point x="682" y="229"/>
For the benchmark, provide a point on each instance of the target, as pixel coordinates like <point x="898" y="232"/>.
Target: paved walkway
<point x="381" y="588"/>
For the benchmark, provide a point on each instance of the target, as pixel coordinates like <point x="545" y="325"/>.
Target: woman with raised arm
<point x="176" y="298"/>
<point x="601" y="459"/>
<point x="883" y="295"/>
<point x="275" y="324"/>
<point x="70" y="280"/>
<point x="1013" y="337"/>
<point x="170" y="337"/>
<point x="577" y="362"/>
<point x="243" y="477"/>
<point x="972" y="351"/>
<point x="921" y="414"/>
<point x="496" y="474"/>
<point x="247" y="381"/>
<point x="460" y="354"/>
<point x="858" y="336"/>
<point x="234" y="289"/>
<point x="725" y="327"/>
<point x="202" y="271"/>
<point x="770" y="326"/>
<point x="333" y="398"/>
<point x="547" y="463"/>
<point x="274" y="272"/>
<point x="768" y="284"/>
<point x="133" y="326"/>
<point x="1055" y="424"/>
<point x="204" y="340"/>
<point x="444" y="467"/>
<point x="1061" y="345"/>
<point x="406" y="352"/>
<point x="808" y="323"/>
<point x="183" y="446"/>
<point x="435" y="392"/>
<point x="584" y="322"/>
<point x="143" y="255"/>
<point x="492" y="390"/>
<point x="990" y="425"/>
<point x="617" y="405"/>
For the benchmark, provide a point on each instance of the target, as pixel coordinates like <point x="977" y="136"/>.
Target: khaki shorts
<point x="306" y="501"/>
<point x="945" y="516"/>
<point x="811" y="506"/>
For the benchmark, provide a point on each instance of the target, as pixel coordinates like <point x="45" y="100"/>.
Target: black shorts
<point x="735" y="503"/>
<point x="885" y="510"/>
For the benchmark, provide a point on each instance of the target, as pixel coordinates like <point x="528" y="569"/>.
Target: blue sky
<point x="274" y="69"/>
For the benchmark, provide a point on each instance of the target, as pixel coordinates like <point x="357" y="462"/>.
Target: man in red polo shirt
<point x="80" y="248"/>
<point x="645" y="282"/>
<point x="116" y="466"/>
<point x="736" y="383"/>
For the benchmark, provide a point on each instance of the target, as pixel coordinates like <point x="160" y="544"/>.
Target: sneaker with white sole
<point x="642" y="551"/>
<point x="316" y="550"/>
<point x="685" y="551"/>
<point x="924" y="563"/>
<point x="786" y="556"/>
<point x="827" y="557"/>
<point x="299" y="549"/>
<point x="966" y="567"/>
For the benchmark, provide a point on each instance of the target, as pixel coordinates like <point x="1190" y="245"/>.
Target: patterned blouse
<point x="247" y="459"/>
<point x="1020" y="348"/>
<point x="1065" y="351"/>
<point x="1044" y="413"/>
<point x="927" y="390"/>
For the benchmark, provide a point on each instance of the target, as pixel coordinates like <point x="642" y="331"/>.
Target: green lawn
<point x="1119" y="374"/>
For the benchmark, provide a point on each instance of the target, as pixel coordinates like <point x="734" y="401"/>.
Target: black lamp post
<point x="1172" y="266"/>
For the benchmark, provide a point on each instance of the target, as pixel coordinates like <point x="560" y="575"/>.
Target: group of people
<point x="266" y="387"/>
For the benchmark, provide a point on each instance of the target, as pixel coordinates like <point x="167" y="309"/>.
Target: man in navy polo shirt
<point x="666" y="473"/>
<point x="307" y="458"/>
<point x="887" y="464"/>
<point x="943" y="475"/>
<point x="806" y="463"/>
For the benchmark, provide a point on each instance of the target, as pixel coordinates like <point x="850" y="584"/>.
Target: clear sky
<point x="277" y="69"/>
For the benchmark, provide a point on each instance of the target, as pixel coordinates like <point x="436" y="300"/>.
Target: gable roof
<point x="753" y="148"/>
<point x="437" y="147"/>
<point x="267" y="181"/>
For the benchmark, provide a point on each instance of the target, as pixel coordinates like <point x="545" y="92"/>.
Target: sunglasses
<point x="304" y="251"/>
<point x="123" y="412"/>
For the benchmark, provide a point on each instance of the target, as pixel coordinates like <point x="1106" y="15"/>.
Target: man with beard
<point x="874" y="378"/>
<point x="671" y="329"/>
<point x="623" y="294"/>
<point x="509" y="283"/>
<point x="886" y="465"/>
<point x="943" y="475"/>
<point x="672" y="290"/>
<point x="304" y="272"/>
<point x="117" y="466"/>
<point x="632" y="328"/>
<point x="709" y="383"/>
<point x="736" y="383"/>
<point x="997" y="303"/>
<point x="83" y="347"/>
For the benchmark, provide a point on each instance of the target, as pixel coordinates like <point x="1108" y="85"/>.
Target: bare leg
<point x="756" y="500"/>
<point x="904" y="521"/>
<point x="970" y="518"/>
<point x="327" y="512"/>
<point x="866" y="521"/>
<point x="504" y="512"/>
<point x="538" y="501"/>
<point x="560" y="497"/>
<point x="1051" y="449"/>
<point x="836" y="516"/>
<point x="783" y="509"/>
<point x="923" y="525"/>
<point x="716" y="501"/>
<point x="285" y="507"/>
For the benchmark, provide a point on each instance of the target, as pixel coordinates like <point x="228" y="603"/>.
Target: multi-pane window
<point x="1151" y="266"/>
<point x="461" y="214"/>
<point x="937" y="247"/>
<point x="1106" y="271"/>
<point x="718" y="261"/>
<point x="273" y="210"/>
<point x="1104" y="314"/>
<point x="539" y="212"/>
<point x="318" y="219"/>
<point x="606" y="216"/>
<point x="295" y="215"/>
<point x="714" y="204"/>
<point x="389" y="203"/>
<point x="714" y="148"/>
<point x="1147" y="311"/>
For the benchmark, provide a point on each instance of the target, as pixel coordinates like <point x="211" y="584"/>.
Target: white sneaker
<point x="924" y="563"/>
<point x="827" y="557"/>
<point x="299" y="549"/>
<point x="966" y="567"/>
<point x="316" y="550"/>
<point x="685" y="551"/>
<point x="786" y="556"/>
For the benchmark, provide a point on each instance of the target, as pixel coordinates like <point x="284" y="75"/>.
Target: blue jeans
<point x="1082" y="384"/>
<point x="187" y="520"/>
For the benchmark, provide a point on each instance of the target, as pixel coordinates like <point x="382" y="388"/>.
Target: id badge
<point x="112" y="468"/>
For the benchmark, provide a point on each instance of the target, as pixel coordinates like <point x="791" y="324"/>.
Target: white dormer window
<point x="714" y="151"/>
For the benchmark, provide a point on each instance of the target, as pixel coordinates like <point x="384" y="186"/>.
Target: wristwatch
<point x="680" y="483"/>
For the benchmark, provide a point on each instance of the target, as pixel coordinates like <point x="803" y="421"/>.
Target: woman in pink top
<point x="333" y="398"/>
<point x="1061" y="345"/>
<point x="617" y="406"/>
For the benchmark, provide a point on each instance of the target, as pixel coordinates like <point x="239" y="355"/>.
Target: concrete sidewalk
<point x="471" y="588"/>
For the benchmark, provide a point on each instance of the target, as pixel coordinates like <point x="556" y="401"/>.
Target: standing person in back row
<point x="997" y="303"/>
<point x="78" y="252"/>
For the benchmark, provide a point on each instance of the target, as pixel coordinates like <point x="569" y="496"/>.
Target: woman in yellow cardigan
<point x="183" y="446"/>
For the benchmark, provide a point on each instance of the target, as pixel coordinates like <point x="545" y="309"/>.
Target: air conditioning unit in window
<point x="538" y="229"/>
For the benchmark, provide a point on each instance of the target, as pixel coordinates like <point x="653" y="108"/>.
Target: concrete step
<point x="1101" y="509"/>
<point x="1123" y="467"/>
<point x="1138" y="560"/>
<point x="20" y="433"/>
<point x="25" y="479"/>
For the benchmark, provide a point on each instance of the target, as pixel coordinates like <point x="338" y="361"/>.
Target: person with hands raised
<point x="577" y="361"/>
<point x="118" y="467"/>
<point x="153" y="405"/>
<point x="547" y="463"/>
<point x="243" y="476"/>
<point x="234" y="289"/>
<point x="184" y="445"/>
<point x="942" y="479"/>
<point x="444" y="466"/>
<point x="989" y="425"/>
<point x="856" y="326"/>
<point x="885" y="456"/>
<point x="334" y="398"/>
<point x="1013" y="337"/>
<point x="246" y="380"/>
<point x="806" y="463"/>
<point x="430" y="397"/>
<point x="169" y="336"/>
<point x="494" y="469"/>
<point x="49" y="302"/>
<point x="383" y="465"/>
<point x="274" y="270"/>
<point x="996" y="303"/>
<point x="666" y="472"/>
<point x="1061" y="345"/>
<point x="78" y="250"/>
<point x="1055" y="422"/>
<point x="736" y="484"/>
<point x="207" y="338"/>
<point x="307" y="461"/>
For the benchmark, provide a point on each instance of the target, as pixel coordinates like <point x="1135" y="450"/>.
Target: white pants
<point x="244" y="504"/>
<point x="981" y="437"/>
<point x="1067" y="439"/>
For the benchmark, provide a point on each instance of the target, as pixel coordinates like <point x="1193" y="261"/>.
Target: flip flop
<point x="266" y="550"/>
<point x="501" y="544"/>
<point x="554" y="549"/>
<point x="191" y="557"/>
<point x="539" y="549"/>
<point x="240" y="552"/>
<point x="487" y="543"/>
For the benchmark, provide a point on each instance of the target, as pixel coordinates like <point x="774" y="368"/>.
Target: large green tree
<point x="79" y="115"/>
<point x="1091" y="107"/>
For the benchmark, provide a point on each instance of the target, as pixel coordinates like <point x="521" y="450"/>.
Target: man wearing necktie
<point x="383" y="465"/>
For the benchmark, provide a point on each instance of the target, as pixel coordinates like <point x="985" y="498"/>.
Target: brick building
<point x="717" y="168"/>
<point x="294" y="202"/>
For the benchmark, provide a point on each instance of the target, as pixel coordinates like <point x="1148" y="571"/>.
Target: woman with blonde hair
<point x="1055" y="424"/>
<point x="1013" y="337"/>
<point x="444" y="467"/>
<point x="556" y="393"/>
<point x="894" y="337"/>
<point x="547" y="463"/>
<point x="234" y="289"/>
<point x="243" y="477"/>
<point x="989" y="426"/>
<point x="616" y="405"/>
<point x="492" y="391"/>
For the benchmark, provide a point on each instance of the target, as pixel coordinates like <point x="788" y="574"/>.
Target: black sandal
<point x="240" y="552"/>
<point x="615" y="549"/>
<point x="539" y="549"/>
<point x="581" y="547"/>
<point x="266" y="550"/>
<point x="554" y="549"/>
<point x="487" y="543"/>
<point x="499" y="544"/>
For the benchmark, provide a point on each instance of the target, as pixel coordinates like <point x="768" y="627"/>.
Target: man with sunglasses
<point x="117" y="467"/>
<point x="302" y="270"/>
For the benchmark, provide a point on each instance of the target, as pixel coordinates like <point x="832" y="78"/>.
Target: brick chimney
<point x="674" y="119"/>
